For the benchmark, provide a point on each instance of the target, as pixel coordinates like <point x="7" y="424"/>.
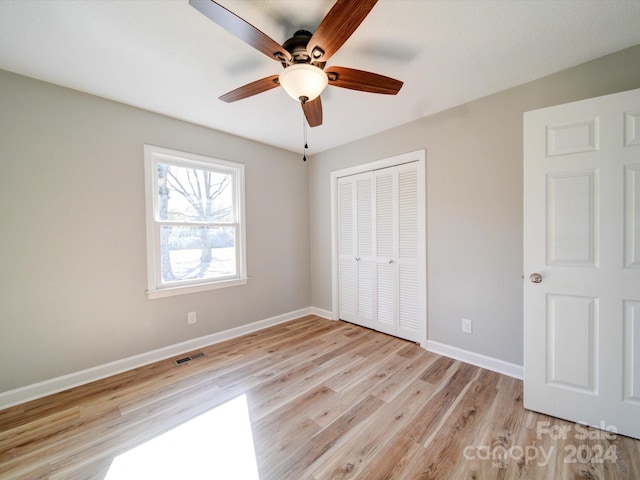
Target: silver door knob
<point x="535" y="278"/>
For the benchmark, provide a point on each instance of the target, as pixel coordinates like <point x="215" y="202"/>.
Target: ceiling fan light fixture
<point x="303" y="81"/>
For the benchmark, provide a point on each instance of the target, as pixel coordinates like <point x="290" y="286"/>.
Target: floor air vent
<point x="180" y="361"/>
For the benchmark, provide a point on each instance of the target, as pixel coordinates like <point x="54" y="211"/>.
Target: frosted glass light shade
<point x="303" y="80"/>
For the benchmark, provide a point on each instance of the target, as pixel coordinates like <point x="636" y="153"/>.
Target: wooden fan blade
<point x="313" y="112"/>
<point x="341" y="21"/>
<point x="251" y="89"/>
<point x="241" y="29"/>
<point x="364" y="81"/>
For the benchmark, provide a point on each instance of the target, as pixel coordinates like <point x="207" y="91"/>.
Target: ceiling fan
<point x="304" y="56"/>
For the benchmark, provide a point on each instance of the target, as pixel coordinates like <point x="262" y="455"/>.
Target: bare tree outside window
<point x="197" y="206"/>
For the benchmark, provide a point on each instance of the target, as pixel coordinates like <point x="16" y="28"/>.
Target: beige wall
<point x="72" y="233"/>
<point x="474" y="202"/>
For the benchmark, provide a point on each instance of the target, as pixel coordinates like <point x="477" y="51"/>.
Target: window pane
<point x="194" y="195"/>
<point x="188" y="253"/>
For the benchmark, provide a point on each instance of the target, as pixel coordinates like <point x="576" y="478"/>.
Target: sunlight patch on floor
<point x="216" y="444"/>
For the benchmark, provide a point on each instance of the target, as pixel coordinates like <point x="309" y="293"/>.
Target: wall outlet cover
<point x="467" y="325"/>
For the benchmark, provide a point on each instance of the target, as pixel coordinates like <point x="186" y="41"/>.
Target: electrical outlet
<point x="191" y="318"/>
<point x="467" y="326"/>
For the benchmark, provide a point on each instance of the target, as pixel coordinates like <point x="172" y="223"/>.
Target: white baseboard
<point x="58" y="384"/>
<point x="321" y="313"/>
<point x="490" y="363"/>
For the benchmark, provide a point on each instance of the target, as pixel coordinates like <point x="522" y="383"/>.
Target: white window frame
<point x="154" y="155"/>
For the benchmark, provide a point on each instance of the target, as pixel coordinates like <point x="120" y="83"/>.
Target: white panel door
<point x="582" y="261"/>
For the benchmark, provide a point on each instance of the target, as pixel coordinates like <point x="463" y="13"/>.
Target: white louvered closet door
<point x="364" y="249"/>
<point x="385" y="221"/>
<point x="356" y="249"/>
<point x="381" y="268"/>
<point x="411" y="250"/>
<point x="347" y="277"/>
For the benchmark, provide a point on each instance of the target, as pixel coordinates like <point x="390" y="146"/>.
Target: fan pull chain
<point x="304" y="137"/>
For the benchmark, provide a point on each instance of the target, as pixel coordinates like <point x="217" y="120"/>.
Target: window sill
<point x="185" y="289"/>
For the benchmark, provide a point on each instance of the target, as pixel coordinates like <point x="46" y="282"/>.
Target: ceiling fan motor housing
<point x="297" y="46"/>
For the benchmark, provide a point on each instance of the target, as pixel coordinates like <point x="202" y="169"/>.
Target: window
<point x="195" y="222"/>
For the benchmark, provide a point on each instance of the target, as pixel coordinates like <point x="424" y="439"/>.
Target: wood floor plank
<point x="411" y="368"/>
<point x="352" y="459"/>
<point x="268" y="396"/>
<point x="425" y="422"/>
<point x="373" y="351"/>
<point x="365" y="383"/>
<point x="327" y="400"/>
<point x="445" y="445"/>
<point x="346" y="345"/>
<point x="277" y="435"/>
<point x="12" y="438"/>
<point x="496" y="434"/>
<point x="307" y="454"/>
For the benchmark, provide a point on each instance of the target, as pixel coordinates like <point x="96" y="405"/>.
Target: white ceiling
<point x="165" y="56"/>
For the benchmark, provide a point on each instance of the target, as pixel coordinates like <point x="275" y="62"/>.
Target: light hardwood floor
<point x="327" y="400"/>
